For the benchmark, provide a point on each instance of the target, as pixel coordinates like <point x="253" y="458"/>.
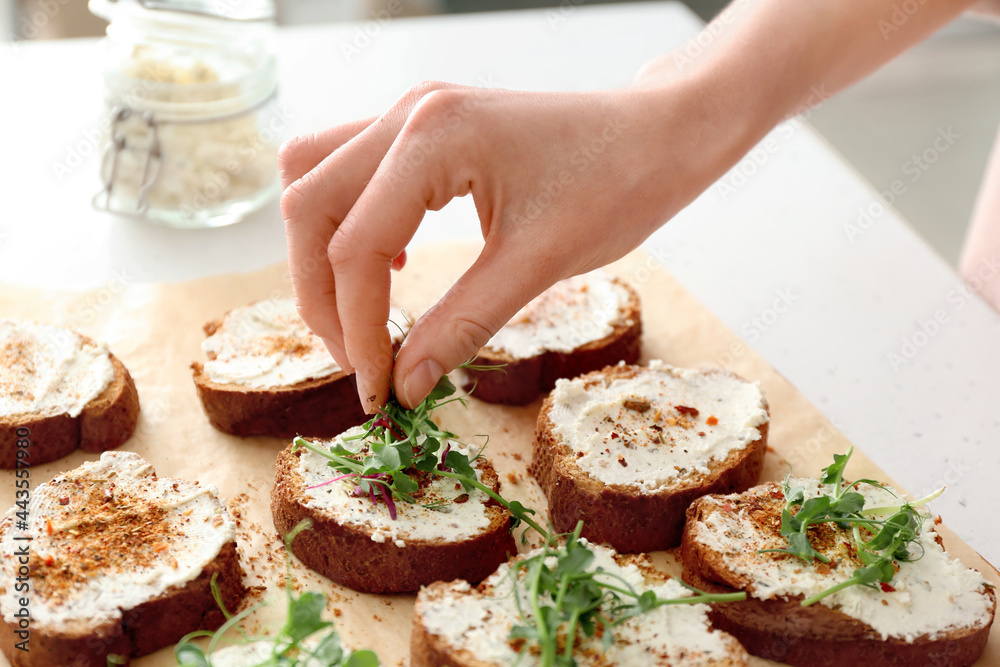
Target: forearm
<point x="761" y="61"/>
<point x="776" y="57"/>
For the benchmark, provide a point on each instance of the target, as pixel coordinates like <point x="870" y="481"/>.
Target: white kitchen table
<point x="769" y="253"/>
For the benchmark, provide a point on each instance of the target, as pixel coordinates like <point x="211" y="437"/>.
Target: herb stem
<point x="495" y="496"/>
<point x="830" y="591"/>
<point x="875" y="511"/>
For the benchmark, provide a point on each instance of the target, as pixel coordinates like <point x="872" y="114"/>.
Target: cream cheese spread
<point x="456" y="514"/>
<point x="46" y="370"/>
<point x="266" y="344"/>
<point x="569" y="314"/>
<point x="109" y="536"/>
<point x="658" y="427"/>
<point x="928" y="596"/>
<point x="480" y="622"/>
<point x="259" y="653"/>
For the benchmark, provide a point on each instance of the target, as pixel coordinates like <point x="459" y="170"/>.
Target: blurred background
<point x="949" y="84"/>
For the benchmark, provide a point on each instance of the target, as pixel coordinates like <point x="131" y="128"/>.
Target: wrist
<point x="696" y="129"/>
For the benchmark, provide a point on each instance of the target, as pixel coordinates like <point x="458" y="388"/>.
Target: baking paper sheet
<point x="156" y="330"/>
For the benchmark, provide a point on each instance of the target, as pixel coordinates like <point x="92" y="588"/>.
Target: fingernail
<point x="366" y="392"/>
<point x="421" y="380"/>
<point x="339" y="355"/>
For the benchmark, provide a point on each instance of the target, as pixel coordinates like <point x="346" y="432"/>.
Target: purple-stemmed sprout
<point x="388" y="501"/>
<point x="444" y="456"/>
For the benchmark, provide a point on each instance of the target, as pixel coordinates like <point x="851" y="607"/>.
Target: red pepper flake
<point x="48" y="527"/>
<point x="64" y="501"/>
<point x="685" y="410"/>
<point x="464" y="498"/>
<point x="886" y="588"/>
<point x="49" y="560"/>
<point x="727" y="506"/>
<point x="621" y="459"/>
<point x="701" y="433"/>
<point x="159" y="546"/>
<point x="712" y="421"/>
<point x="614" y="436"/>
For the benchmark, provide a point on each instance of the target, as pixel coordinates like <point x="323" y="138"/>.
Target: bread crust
<point x="160" y="622"/>
<point x="619" y="515"/>
<point x="105" y="423"/>
<point x="783" y="630"/>
<point x="430" y="650"/>
<point x="319" y="408"/>
<point x="523" y="380"/>
<point x="346" y="553"/>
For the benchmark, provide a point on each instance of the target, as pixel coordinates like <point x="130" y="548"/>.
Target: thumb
<point x="463" y="321"/>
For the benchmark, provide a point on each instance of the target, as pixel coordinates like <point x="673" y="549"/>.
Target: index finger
<point x="300" y="155"/>
<point x="377" y="229"/>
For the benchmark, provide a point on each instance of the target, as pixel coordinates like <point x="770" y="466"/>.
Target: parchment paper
<point x="155" y="329"/>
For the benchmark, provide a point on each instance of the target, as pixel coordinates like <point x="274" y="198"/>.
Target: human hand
<point x="563" y="183"/>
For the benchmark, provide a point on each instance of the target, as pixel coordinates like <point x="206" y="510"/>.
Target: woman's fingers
<point x="423" y="169"/>
<point x="463" y="321"/>
<point x="300" y="155"/>
<point x="314" y="205"/>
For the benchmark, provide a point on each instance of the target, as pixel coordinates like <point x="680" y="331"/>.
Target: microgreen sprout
<point x="398" y="446"/>
<point x="881" y="536"/>
<point x="567" y="597"/>
<point x="289" y="647"/>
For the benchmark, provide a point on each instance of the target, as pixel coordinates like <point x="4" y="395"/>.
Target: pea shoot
<point x="567" y="597"/>
<point x="289" y="648"/>
<point x="398" y="446"/>
<point x="881" y="536"/>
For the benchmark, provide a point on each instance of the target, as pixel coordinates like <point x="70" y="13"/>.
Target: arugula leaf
<point x="305" y="616"/>
<point x="442" y="390"/>
<point x="833" y="474"/>
<point x="362" y="659"/>
<point x="567" y="598"/>
<point x="304" y="621"/>
<point x="887" y="540"/>
<point x="397" y="444"/>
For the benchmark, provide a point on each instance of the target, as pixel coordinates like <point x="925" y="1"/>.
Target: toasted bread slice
<point x="459" y="625"/>
<point x="578" y="325"/>
<point x="626" y="449"/>
<point x="935" y="611"/>
<point x="60" y="391"/>
<point x="120" y="563"/>
<point x="357" y="543"/>
<point x="267" y="374"/>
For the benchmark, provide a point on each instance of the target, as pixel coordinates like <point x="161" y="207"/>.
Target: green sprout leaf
<point x="881" y="536"/>
<point x="568" y="598"/>
<point x="400" y="447"/>
<point x="304" y="621"/>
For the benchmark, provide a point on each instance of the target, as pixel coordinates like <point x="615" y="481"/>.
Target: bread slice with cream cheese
<point x="456" y="624"/>
<point x="120" y="563"/>
<point x="627" y="448"/>
<point x="267" y="374"/>
<point x="448" y="533"/>
<point x="60" y="391"/>
<point x="935" y="611"/>
<point x="578" y="325"/>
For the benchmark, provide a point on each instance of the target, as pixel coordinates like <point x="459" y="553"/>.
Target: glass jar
<point x="192" y="125"/>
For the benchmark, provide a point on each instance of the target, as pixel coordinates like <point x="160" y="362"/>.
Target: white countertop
<point x="778" y="239"/>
